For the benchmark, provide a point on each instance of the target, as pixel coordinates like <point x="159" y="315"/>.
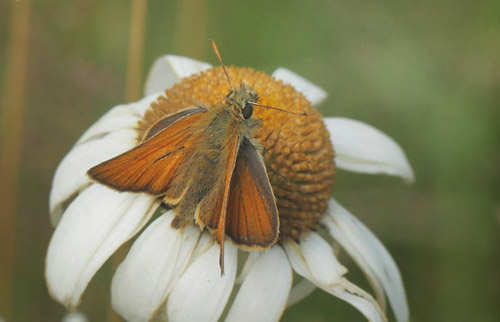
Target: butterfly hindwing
<point x="252" y="216"/>
<point x="165" y="122"/>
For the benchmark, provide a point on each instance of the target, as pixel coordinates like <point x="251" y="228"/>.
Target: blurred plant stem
<point x="133" y="92"/>
<point x="133" y="89"/>
<point x="10" y="146"/>
<point x="191" y="37"/>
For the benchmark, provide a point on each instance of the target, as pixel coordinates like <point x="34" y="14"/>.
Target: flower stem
<point x="11" y="116"/>
<point x="190" y="36"/>
<point x="135" y="50"/>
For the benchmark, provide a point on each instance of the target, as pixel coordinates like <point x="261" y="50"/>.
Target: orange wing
<point x="152" y="165"/>
<point x="252" y="216"/>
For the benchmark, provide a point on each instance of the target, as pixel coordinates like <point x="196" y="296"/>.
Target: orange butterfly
<point x="205" y="163"/>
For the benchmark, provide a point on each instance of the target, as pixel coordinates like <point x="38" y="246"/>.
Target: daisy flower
<point x="174" y="275"/>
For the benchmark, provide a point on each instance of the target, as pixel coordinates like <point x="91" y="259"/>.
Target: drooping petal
<point x="202" y="293"/>
<point x="320" y="258"/>
<point x="95" y="224"/>
<point x="264" y="292"/>
<point x="370" y="254"/>
<point x="169" y="69"/>
<point x="360" y="147"/>
<point x="143" y="280"/>
<point x="312" y="92"/>
<point x="358" y="298"/>
<point x="71" y="174"/>
<point x="326" y="275"/>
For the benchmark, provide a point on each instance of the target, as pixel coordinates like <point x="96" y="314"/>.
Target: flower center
<point x="297" y="150"/>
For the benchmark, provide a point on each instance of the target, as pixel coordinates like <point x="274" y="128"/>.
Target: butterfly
<point x="204" y="162"/>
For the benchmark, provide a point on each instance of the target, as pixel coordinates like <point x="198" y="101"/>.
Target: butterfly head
<point x="242" y="100"/>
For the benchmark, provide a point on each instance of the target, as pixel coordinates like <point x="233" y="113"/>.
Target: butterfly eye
<point x="247" y="111"/>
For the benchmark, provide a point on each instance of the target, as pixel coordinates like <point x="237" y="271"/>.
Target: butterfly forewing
<point x="252" y="216"/>
<point x="154" y="164"/>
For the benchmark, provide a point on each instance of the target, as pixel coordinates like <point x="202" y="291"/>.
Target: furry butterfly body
<point x="204" y="162"/>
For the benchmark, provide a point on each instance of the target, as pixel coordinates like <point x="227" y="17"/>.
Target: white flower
<point x="175" y="274"/>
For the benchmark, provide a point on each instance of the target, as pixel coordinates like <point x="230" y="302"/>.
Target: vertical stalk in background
<point x="11" y="118"/>
<point x="133" y="89"/>
<point x="191" y="36"/>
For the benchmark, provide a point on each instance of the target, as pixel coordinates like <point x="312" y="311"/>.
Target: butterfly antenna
<point x="217" y="53"/>
<point x="278" y="109"/>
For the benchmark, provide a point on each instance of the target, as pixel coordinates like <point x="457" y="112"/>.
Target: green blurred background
<point x="425" y="72"/>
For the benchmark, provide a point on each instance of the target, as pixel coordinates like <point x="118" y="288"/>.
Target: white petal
<point x="125" y="116"/>
<point x="321" y="260"/>
<point x="264" y="292"/>
<point x="142" y="282"/>
<point x="338" y="286"/>
<point x="360" y="255"/>
<point x="201" y="293"/>
<point x="313" y="256"/>
<point x="118" y="118"/>
<point x="360" y="147"/>
<point x="300" y="291"/>
<point x="358" y="298"/>
<point x="95" y="224"/>
<point x="186" y="256"/>
<point x="312" y="92"/>
<point x="71" y="174"/>
<point x="142" y="105"/>
<point x="73" y="317"/>
<point x="372" y="257"/>
<point x="204" y="243"/>
<point x="168" y="70"/>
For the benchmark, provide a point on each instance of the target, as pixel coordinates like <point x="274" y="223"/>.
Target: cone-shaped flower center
<point x="297" y="149"/>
